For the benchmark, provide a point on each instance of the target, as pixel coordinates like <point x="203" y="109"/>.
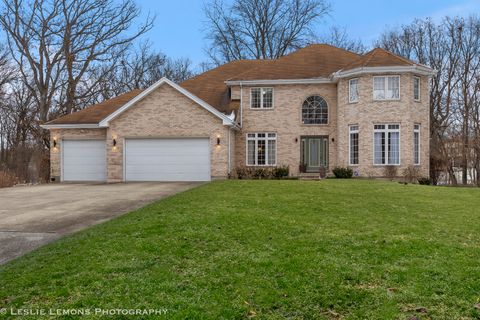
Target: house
<point x="318" y="107"/>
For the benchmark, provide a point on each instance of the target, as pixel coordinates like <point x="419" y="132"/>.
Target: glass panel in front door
<point x="314" y="146"/>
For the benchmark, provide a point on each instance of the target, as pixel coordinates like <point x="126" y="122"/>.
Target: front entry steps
<point x="309" y="176"/>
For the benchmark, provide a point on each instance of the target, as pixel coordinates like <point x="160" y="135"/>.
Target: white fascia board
<point x="419" y="69"/>
<point x="226" y="120"/>
<point x="70" y="126"/>
<point x="278" y="81"/>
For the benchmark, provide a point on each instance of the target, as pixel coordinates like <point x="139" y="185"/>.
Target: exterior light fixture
<point x="54" y="142"/>
<point x="218" y="140"/>
<point x="114" y="142"/>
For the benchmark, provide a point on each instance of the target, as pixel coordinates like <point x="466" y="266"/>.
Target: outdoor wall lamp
<point x="54" y="142"/>
<point x="218" y="140"/>
<point x="114" y="142"/>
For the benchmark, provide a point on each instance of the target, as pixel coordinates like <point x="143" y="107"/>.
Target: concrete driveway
<point x="32" y="216"/>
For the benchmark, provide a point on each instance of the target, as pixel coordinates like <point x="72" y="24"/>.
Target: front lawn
<point x="328" y="249"/>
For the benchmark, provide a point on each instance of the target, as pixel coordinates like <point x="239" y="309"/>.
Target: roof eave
<point x="278" y="81"/>
<point x="70" y="126"/>
<point x="419" y="69"/>
<point x="225" y="119"/>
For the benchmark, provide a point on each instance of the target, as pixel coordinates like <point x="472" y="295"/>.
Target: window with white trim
<point x="416" y="88"/>
<point x="261" y="98"/>
<point x="261" y="149"/>
<point x="386" y="88"/>
<point x="386" y="144"/>
<point x="353" y="90"/>
<point x="416" y="144"/>
<point x="353" y="143"/>
<point x="315" y="110"/>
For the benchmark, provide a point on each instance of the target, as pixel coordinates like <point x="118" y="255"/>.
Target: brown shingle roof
<point x="378" y="58"/>
<point x="210" y="86"/>
<point x="313" y="61"/>
<point x="96" y="113"/>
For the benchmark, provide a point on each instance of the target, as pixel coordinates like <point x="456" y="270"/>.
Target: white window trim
<point x="419" y="88"/>
<point x="350" y="91"/>
<point x="315" y="124"/>
<point x="419" y="144"/>
<point x="261" y="98"/>
<point x="256" y="149"/>
<point x="350" y="131"/>
<point x="386" y="87"/>
<point x="386" y="137"/>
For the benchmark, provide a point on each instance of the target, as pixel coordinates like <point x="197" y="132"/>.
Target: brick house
<point x="312" y="110"/>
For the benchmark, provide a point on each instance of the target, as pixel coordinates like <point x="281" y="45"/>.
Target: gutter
<point x="419" y="69"/>
<point x="70" y="126"/>
<point x="278" y="81"/>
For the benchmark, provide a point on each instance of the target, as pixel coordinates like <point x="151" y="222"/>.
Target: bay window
<point x="386" y="88"/>
<point x="353" y="90"/>
<point x="416" y="88"/>
<point x="261" y="149"/>
<point x="386" y="144"/>
<point x="416" y="144"/>
<point x="353" y="143"/>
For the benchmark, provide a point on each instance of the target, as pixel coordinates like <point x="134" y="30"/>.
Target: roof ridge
<point x="370" y="56"/>
<point x="397" y="56"/>
<point x="335" y="47"/>
<point x="253" y="68"/>
<point x="316" y="44"/>
<point x="218" y="67"/>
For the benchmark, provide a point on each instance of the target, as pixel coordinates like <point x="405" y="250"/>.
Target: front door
<point x="314" y="153"/>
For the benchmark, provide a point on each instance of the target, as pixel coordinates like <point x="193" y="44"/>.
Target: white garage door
<point x="84" y="160"/>
<point x="167" y="159"/>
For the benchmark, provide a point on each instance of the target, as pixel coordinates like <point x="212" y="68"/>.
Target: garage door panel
<point x="186" y="159"/>
<point x="84" y="160"/>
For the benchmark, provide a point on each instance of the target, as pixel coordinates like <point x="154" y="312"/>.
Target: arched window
<point x="315" y="110"/>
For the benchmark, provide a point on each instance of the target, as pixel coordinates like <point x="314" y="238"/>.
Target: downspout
<point x="241" y="104"/>
<point x="229" y="153"/>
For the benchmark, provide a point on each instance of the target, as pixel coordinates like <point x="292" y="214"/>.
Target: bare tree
<point x="55" y="42"/>
<point x="94" y="32"/>
<point x="339" y="38"/>
<point x="260" y="29"/>
<point x="436" y="46"/>
<point x="452" y="47"/>
<point x="54" y="45"/>
<point x="138" y="68"/>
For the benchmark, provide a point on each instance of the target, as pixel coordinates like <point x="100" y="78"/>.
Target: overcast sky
<point x="178" y="26"/>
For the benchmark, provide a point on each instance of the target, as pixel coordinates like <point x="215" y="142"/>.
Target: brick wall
<point x="286" y="120"/>
<point x="367" y="112"/>
<point x="166" y="113"/>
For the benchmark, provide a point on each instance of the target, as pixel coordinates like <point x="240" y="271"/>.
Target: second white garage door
<point x="167" y="159"/>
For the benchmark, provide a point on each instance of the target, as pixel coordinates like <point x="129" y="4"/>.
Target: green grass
<point x="270" y="249"/>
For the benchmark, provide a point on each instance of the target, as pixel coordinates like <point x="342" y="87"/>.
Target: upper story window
<point x="315" y="110"/>
<point x="416" y="88"/>
<point x="353" y="90"/>
<point x="386" y="88"/>
<point x="261" y="98"/>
